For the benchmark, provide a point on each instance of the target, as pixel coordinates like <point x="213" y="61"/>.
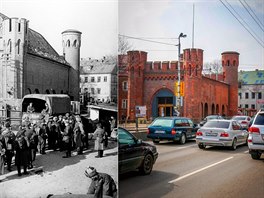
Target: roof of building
<point x="93" y="66"/>
<point x="251" y="77"/>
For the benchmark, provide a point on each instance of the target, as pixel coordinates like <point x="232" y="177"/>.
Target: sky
<point x="215" y="29"/>
<point x="96" y="19"/>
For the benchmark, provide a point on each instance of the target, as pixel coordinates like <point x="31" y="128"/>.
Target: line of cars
<point x="214" y="130"/>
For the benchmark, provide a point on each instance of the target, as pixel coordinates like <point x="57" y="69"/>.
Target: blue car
<point x="177" y="129"/>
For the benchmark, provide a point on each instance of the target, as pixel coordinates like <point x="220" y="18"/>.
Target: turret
<point x="71" y="42"/>
<point x="230" y="62"/>
<point x="193" y="62"/>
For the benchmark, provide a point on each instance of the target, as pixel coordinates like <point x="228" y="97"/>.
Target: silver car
<point x="243" y="120"/>
<point x="221" y="133"/>
<point x="256" y="136"/>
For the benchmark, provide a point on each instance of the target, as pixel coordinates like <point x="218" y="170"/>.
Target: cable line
<point x="242" y="23"/>
<point x="131" y="37"/>
<point x="251" y="15"/>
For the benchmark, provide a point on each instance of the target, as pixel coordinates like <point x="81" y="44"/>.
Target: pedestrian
<point x="112" y="123"/>
<point x="21" y="154"/>
<point x="28" y="137"/>
<point x="55" y="132"/>
<point x="2" y="156"/>
<point x="42" y="136"/>
<point x="78" y="133"/>
<point x="67" y="138"/>
<point x="30" y="108"/>
<point x="102" y="184"/>
<point x="49" y="132"/>
<point x="8" y="140"/>
<point x="98" y="135"/>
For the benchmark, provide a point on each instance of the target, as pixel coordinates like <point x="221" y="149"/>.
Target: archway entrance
<point x="163" y="103"/>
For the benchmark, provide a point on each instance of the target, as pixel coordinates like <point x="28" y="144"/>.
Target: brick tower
<point x="71" y="41"/>
<point x="230" y="62"/>
<point x="193" y="66"/>
<point x="136" y="65"/>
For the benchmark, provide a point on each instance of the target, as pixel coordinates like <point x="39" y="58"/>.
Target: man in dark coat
<point x="67" y="138"/>
<point x="21" y="156"/>
<point x="102" y="184"/>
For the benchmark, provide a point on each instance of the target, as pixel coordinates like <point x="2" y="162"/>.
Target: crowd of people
<point x="63" y="133"/>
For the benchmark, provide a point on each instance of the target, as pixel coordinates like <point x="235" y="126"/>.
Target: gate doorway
<point x="165" y="106"/>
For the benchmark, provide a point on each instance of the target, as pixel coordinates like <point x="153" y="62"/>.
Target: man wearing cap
<point x="102" y="183"/>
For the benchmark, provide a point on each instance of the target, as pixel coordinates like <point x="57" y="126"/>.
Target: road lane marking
<point x="197" y="171"/>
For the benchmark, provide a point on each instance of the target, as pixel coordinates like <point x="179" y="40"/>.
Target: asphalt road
<point x="187" y="171"/>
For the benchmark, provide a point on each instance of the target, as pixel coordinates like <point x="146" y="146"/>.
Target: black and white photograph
<point x="58" y="98"/>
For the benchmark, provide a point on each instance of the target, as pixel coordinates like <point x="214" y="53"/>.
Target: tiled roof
<point x="97" y="67"/>
<point x="38" y="45"/>
<point x="251" y="77"/>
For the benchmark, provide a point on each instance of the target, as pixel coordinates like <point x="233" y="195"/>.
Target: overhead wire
<point x="251" y="15"/>
<point x="242" y="24"/>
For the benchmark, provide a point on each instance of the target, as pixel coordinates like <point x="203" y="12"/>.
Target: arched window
<point x="9" y="45"/>
<point x="28" y="91"/>
<point x="10" y="25"/>
<point x="196" y="70"/>
<point x="74" y="43"/>
<point x="223" y="63"/>
<point x="234" y="63"/>
<point x="53" y="91"/>
<point x="47" y="91"/>
<point x="61" y="92"/>
<point x="18" y="46"/>
<point x="36" y="91"/>
<point x="68" y="44"/>
<point x="228" y="63"/>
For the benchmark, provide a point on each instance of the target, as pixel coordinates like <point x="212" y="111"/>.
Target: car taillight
<point x="249" y="140"/>
<point x="224" y="134"/>
<point x="173" y="132"/>
<point x="244" y="122"/>
<point x="199" y="133"/>
<point x="254" y="130"/>
<point x="148" y="131"/>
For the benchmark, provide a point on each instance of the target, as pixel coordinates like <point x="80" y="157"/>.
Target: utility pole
<point x="179" y="72"/>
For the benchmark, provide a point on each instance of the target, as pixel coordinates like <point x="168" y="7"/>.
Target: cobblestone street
<point x="53" y="174"/>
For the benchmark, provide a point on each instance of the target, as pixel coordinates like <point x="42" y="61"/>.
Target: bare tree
<point x="123" y="45"/>
<point x="214" y="67"/>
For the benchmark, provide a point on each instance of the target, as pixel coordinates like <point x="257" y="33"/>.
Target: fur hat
<point x="90" y="172"/>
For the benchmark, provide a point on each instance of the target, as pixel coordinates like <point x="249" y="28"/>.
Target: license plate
<point x="211" y="134"/>
<point x="159" y="131"/>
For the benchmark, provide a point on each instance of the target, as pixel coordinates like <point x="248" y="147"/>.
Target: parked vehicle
<point x="210" y="117"/>
<point x="243" y="120"/>
<point x="256" y="136"/>
<point x="135" y="154"/>
<point x="56" y="104"/>
<point x="221" y="133"/>
<point x="177" y="129"/>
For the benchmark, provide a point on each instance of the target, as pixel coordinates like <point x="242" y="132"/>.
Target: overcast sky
<point x="215" y="29"/>
<point x="97" y="20"/>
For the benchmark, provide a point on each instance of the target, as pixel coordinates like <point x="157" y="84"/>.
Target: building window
<point x="68" y="44"/>
<point x="125" y="87"/>
<point x="239" y="95"/>
<point x="18" y="46"/>
<point x="92" y="79"/>
<point x="86" y="79"/>
<point x="98" y="91"/>
<point x="105" y="78"/>
<point x="246" y="95"/>
<point x="246" y="106"/>
<point x="10" y="25"/>
<point x="228" y="63"/>
<point x="9" y="45"/>
<point x="234" y="63"/>
<point x="19" y="27"/>
<point x="99" y="79"/>
<point x="259" y="95"/>
<point x="74" y="43"/>
<point x="190" y="70"/>
<point x="124" y="103"/>
<point x="253" y="95"/>
<point x="92" y="90"/>
<point x="253" y="106"/>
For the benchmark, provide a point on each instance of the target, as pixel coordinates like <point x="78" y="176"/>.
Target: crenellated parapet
<point x="161" y="66"/>
<point x="193" y="61"/>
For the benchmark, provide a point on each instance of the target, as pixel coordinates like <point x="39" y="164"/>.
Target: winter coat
<point x="98" y="135"/>
<point x="78" y="133"/>
<point x="21" y="148"/>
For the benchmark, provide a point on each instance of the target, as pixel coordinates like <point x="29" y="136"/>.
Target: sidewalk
<point x="53" y="174"/>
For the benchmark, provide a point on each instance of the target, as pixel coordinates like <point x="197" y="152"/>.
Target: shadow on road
<point x="135" y="185"/>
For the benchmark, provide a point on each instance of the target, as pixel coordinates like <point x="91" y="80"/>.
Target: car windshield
<point x="217" y="124"/>
<point x="212" y="117"/>
<point x="259" y="119"/>
<point x="124" y="137"/>
<point x="238" y="118"/>
<point x="162" y="122"/>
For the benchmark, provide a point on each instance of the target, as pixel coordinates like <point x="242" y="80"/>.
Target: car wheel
<point x="183" y="138"/>
<point x="255" y="155"/>
<point x="201" y="146"/>
<point x="156" y="141"/>
<point x="147" y="165"/>
<point x="234" y="144"/>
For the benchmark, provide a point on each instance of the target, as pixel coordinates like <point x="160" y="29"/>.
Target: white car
<point x="243" y="120"/>
<point x="221" y="133"/>
<point x="256" y="136"/>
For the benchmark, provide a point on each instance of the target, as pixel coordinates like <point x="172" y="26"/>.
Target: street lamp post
<point x="179" y="70"/>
